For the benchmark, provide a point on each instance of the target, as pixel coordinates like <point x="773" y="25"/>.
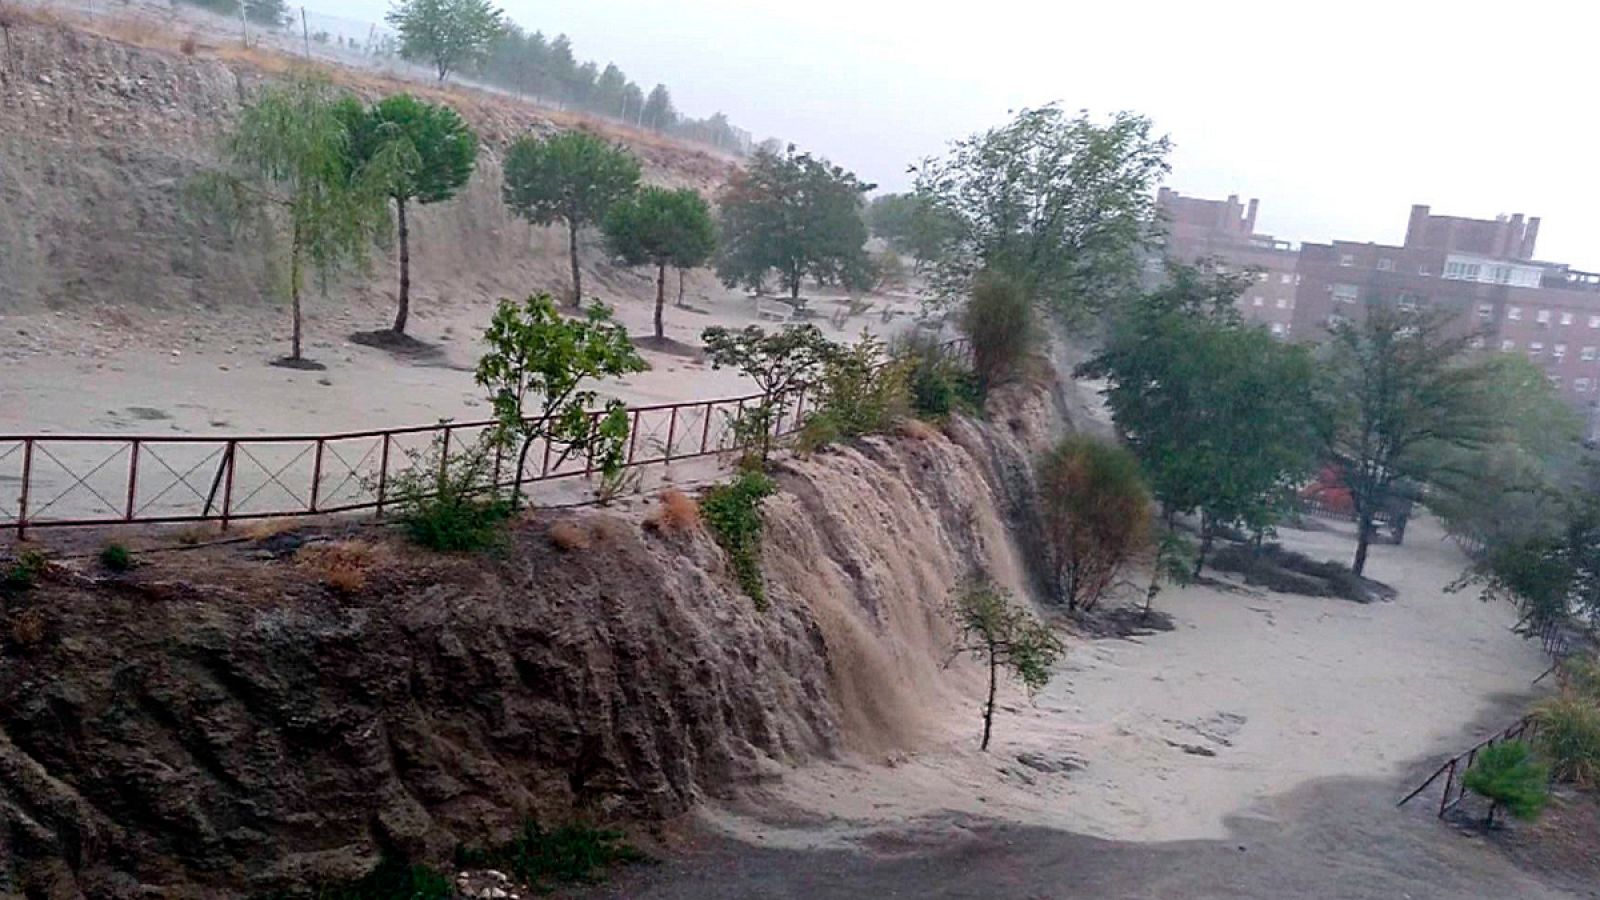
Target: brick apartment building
<point x="1224" y="232"/>
<point x="1484" y="269"/>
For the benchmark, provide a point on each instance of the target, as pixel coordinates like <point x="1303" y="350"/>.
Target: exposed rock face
<point x="215" y="724"/>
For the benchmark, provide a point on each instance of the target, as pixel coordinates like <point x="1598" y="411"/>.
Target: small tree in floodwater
<point x="1508" y="776"/>
<point x="536" y="372"/>
<point x="1003" y="635"/>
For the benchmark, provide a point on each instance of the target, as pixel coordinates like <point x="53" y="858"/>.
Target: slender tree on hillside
<point x="793" y="214"/>
<point x="422" y="153"/>
<point x="1003" y="636"/>
<point x="662" y="228"/>
<point x="658" y="112"/>
<point x="447" y="34"/>
<point x="1397" y="382"/>
<point x="290" y="153"/>
<point x="571" y="177"/>
<point x="1059" y="202"/>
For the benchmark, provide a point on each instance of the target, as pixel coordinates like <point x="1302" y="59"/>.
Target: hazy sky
<point x="1338" y="116"/>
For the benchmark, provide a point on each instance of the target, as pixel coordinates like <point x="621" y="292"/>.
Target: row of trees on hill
<point x="474" y="36"/>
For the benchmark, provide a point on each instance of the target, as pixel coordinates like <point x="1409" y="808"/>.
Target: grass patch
<point x="569" y="536"/>
<point x="116" y="557"/>
<point x="571" y="854"/>
<point x="1569" y="737"/>
<point x="733" y="513"/>
<point x="23" y="572"/>
<point x="393" y="880"/>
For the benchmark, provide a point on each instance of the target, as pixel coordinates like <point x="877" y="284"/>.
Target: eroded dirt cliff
<point x="221" y="721"/>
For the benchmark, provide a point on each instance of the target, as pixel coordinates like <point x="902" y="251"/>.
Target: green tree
<point x="570" y="177"/>
<point x="658" y="112"/>
<point x="447" y="34"/>
<point x="1002" y="635"/>
<point x="1096" y="512"/>
<point x="1220" y="415"/>
<point x="1507" y="775"/>
<point x="290" y="154"/>
<point x="778" y="362"/>
<point x="1171" y="562"/>
<point x="794" y="214"/>
<point x="421" y="153"/>
<point x="1060" y="203"/>
<point x="537" y="370"/>
<point x="912" y="225"/>
<point x="1397" y="383"/>
<point x="610" y="90"/>
<point x="662" y="228"/>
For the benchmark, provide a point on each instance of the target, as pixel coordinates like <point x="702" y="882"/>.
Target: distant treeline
<point x="547" y="69"/>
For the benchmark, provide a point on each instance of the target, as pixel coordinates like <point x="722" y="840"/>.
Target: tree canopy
<point x="1219" y="413"/>
<point x="446" y="34"/>
<point x="661" y="228"/>
<point x="1057" y="201"/>
<point x="792" y="214"/>
<point x="572" y="177"/>
<point x="912" y="225"/>
<point x="420" y="153"/>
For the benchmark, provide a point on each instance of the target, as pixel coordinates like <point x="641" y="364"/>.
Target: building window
<point x="1463" y="271"/>
<point x="1346" y="259"/>
<point x="1422" y="270"/>
<point x="1258" y="301"/>
<point x="1566" y="318"/>
<point x="1559" y="351"/>
<point x="1286" y="278"/>
<point x="1543" y="317"/>
<point x="1594" y="321"/>
<point x="1555" y="381"/>
<point x="1336" y="319"/>
<point x="1581" y="385"/>
<point x="1261" y="276"/>
<point x="1485" y="311"/>
<point x="1514" y="313"/>
<point x="1501" y="274"/>
<point x="1386" y="265"/>
<point x="1477" y="342"/>
<point x="1536" y="348"/>
<point x="1409" y="302"/>
<point x="1277" y="328"/>
<point x="1508" y="345"/>
<point x="1345" y="293"/>
<point x="1587" y="354"/>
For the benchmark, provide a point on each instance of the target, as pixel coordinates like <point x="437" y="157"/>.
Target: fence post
<point x="444" y="456"/>
<point x="672" y="431"/>
<point x="27" y="478"/>
<point x="1449" y="779"/>
<point x="227" y="485"/>
<point x="705" y="431"/>
<point x="316" y="475"/>
<point x="633" y="436"/>
<point x="383" y="474"/>
<point x="588" y="458"/>
<point x="133" y="478"/>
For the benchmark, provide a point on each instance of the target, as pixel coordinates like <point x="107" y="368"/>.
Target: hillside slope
<point x="99" y="137"/>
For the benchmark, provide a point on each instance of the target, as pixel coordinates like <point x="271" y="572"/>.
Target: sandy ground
<point x="1261" y="715"/>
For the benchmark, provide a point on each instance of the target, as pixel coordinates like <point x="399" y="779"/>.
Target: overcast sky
<point x="1338" y="116"/>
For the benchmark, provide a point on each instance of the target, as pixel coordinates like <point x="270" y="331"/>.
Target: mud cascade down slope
<point x="221" y="722"/>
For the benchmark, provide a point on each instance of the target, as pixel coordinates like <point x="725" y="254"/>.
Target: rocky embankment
<point x="224" y="721"/>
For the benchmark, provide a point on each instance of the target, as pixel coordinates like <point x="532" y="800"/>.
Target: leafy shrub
<point x="27" y="628"/>
<point x="999" y="321"/>
<point x="116" y="557"/>
<point x="393" y="879"/>
<point x="23" y="572"/>
<point x="1096" y="513"/>
<point x="453" y="507"/>
<point x="675" y="511"/>
<point x="571" y="853"/>
<point x="1569" y="736"/>
<point x="614" y="482"/>
<point x="733" y="513"/>
<point x="937" y="383"/>
<point x="1507" y="775"/>
<point x="860" y="392"/>
<point x="569" y="535"/>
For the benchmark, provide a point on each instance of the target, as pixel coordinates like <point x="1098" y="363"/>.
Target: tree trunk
<point x="572" y="256"/>
<point x="1205" y="545"/>
<point x="1489" y="822"/>
<point x="404" y="312"/>
<point x="680" y="289"/>
<point x="516" y="481"/>
<point x="661" y="299"/>
<point x="294" y="293"/>
<point x="988" y="708"/>
<point x="1363" y="538"/>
